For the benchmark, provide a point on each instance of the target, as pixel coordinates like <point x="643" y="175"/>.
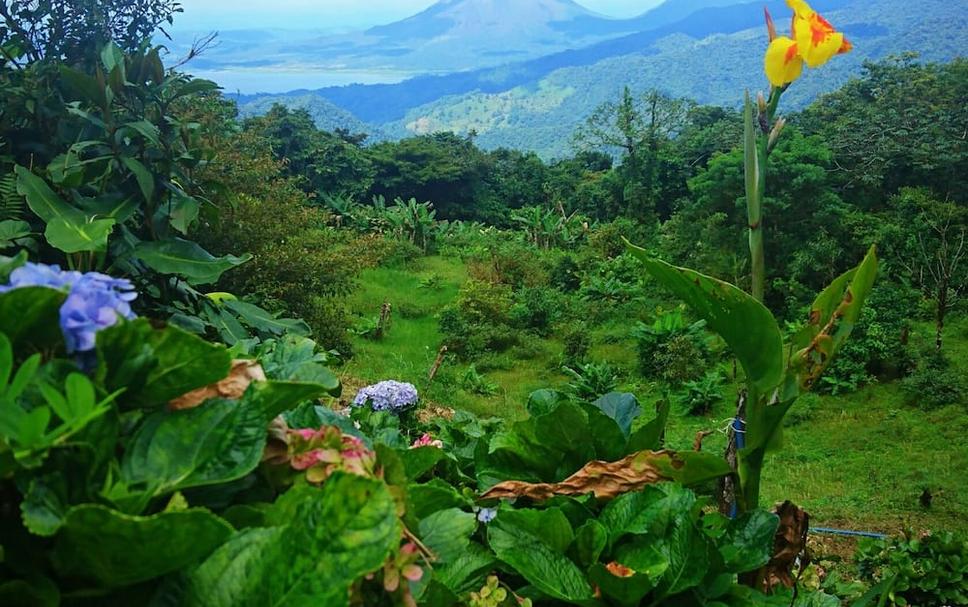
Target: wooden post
<point x="437" y="363"/>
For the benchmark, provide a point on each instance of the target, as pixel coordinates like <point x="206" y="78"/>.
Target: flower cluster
<point x="94" y="301"/>
<point x="427" y="441"/>
<point x="814" y="42"/>
<point x="322" y="452"/>
<point x="403" y="566"/>
<point x="387" y="396"/>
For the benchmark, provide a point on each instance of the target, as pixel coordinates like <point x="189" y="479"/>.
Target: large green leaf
<point x="30" y="317"/>
<point x="447" y="533"/>
<point x="114" y="549"/>
<point x="186" y="259"/>
<point x="747" y="327"/>
<point x="43" y="201"/>
<point x="156" y="365"/>
<point x="217" y="442"/>
<point x="624" y="591"/>
<point x="262" y="320"/>
<point x="11" y="230"/>
<point x="72" y="236"/>
<point x="832" y="319"/>
<point x="545" y="448"/>
<point x="540" y="564"/>
<point x="747" y="544"/>
<point x="622" y="407"/>
<point x="648" y="512"/>
<point x="325" y="539"/>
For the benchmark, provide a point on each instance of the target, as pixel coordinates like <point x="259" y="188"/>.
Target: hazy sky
<point x="324" y="14"/>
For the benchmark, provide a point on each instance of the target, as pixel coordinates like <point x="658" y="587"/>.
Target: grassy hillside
<point x="859" y="461"/>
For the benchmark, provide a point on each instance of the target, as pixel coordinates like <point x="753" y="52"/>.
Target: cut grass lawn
<point x="859" y="461"/>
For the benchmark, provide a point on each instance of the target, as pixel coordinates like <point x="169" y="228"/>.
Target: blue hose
<point x="829" y="531"/>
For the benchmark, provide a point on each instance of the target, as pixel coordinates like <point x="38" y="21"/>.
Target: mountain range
<point x="707" y="50"/>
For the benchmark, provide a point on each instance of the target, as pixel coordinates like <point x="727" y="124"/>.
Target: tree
<point x="445" y="169"/>
<point x="936" y="250"/>
<point x="73" y="31"/>
<point x="639" y="130"/>
<point x="901" y="125"/>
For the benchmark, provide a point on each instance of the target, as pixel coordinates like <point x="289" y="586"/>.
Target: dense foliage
<point x="170" y="430"/>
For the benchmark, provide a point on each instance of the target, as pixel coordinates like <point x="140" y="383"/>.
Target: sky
<point x="335" y="14"/>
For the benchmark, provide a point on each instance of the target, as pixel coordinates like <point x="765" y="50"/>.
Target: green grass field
<point x="858" y="461"/>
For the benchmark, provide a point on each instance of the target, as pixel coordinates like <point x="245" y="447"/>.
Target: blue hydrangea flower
<point x="94" y="301"/>
<point x="387" y="396"/>
<point x="486" y="515"/>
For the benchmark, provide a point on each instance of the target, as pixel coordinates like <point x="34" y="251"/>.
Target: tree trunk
<point x="942" y="312"/>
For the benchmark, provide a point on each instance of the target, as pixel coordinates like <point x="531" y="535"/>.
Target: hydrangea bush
<point x="94" y="301"/>
<point x="387" y="396"/>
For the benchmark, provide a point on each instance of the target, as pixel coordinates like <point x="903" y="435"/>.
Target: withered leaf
<point x="233" y="386"/>
<point x="607" y="480"/>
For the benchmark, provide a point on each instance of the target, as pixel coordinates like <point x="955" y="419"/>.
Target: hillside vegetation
<point x="246" y="361"/>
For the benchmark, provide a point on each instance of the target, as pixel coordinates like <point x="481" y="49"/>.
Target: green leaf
<point x="82" y="87"/>
<point x="650" y="511"/>
<point x="325" y="539"/>
<point x="9" y="264"/>
<point x="261" y="320"/>
<point x="693" y="467"/>
<point x="11" y="230"/>
<point x="156" y="365"/>
<point x="217" y="442"/>
<point x="43" y="201"/>
<point x="747" y="544"/>
<point x="467" y="572"/>
<point x="146" y="130"/>
<point x="832" y="319"/>
<point x="30" y="317"/>
<point x="550" y="524"/>
<point x="184" y="213"/>
<point x="433" y="496"/>
<point x="447" y="533"/>
<point x="624" y="591"/>
<point x="541" y="565"/>
<point x="114" y="549"/>
<point x="186" y="259"/>
<point x="545" y="448"/>
<point x="79" y="236"/>
<point x="421" y="460"/>
<point x="590" y="541"/>
<point x="622" y="407"/>
<point x="112" y="57"/>
<point x="146" y="181"/>
<point x="747" y="327"/>
<point x="649" y="436"/>
<point x="687" y="550"/>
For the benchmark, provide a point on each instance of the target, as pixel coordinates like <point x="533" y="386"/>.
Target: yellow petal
<point x="801" y="8"/>
<point x="817" y="40"/>
<point x="783" y="63"/>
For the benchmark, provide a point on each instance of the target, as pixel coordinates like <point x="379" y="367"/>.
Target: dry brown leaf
<point x="607" y="480"/>
<point x="243" y="373"/>
<point x="790" y="545"/>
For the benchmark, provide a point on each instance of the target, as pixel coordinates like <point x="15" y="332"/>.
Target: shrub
<point x="930" y="570"/>
<point x="514" y="264"/>
<point x="591" y="380"/>
<point x="671" y="349"/>
<point x="701" y="395"/>
<point x="566" y="275"/>
<point x="479" y="321"/>
<point x="535" y="308"/>
<point x="935" y="383"/>
<point x="475" y="383"/>
<point x="577" y="344"/>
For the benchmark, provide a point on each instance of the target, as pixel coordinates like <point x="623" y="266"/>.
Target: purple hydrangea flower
<point x="387" y="396"/>
<point x="94" y="301"/>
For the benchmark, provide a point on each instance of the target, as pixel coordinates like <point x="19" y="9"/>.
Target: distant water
<point x="250" y="81"/>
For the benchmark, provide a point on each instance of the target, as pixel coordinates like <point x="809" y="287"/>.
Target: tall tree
<point x="74" y="30"/>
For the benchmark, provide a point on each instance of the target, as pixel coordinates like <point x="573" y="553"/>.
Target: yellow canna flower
<point x="814" y="42"/>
